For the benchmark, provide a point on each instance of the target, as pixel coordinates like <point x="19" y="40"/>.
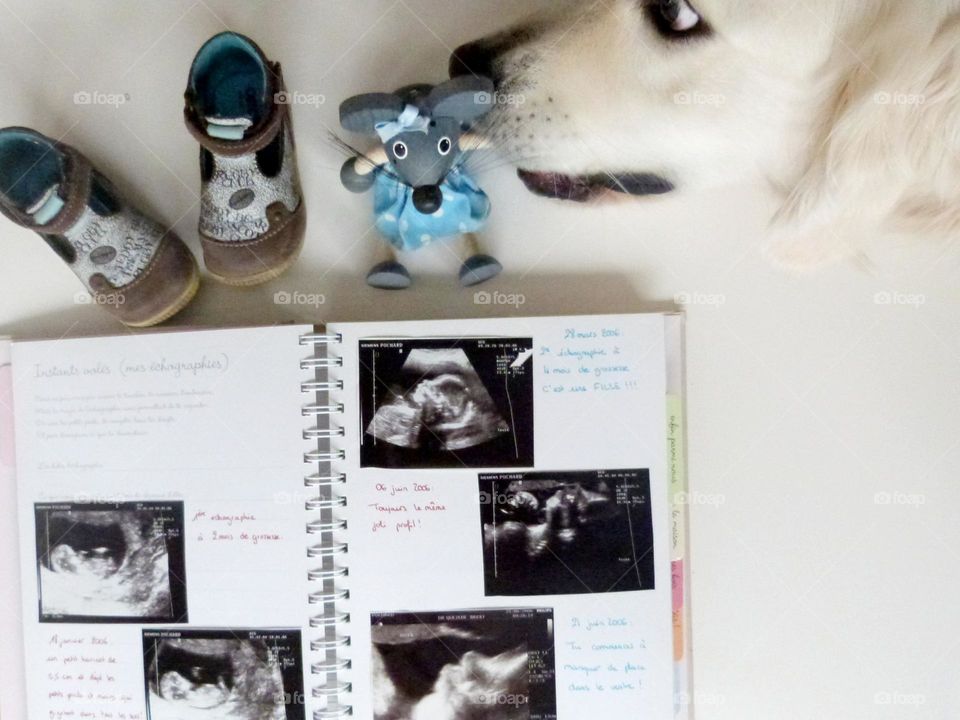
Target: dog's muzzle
<point x="483" y="57"/>
<point x="475" y="58"/>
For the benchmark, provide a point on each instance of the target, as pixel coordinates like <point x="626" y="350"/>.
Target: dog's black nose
<point x="427" y="199"/>
<point x="475" y="58"/>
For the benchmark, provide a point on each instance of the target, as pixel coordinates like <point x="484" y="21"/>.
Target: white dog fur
<point x="850" y="108"/>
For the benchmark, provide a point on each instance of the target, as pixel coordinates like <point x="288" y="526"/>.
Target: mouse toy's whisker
<point x="343" y="146"/>
<point x="490" y="139"/>
<point x="349" y="150"/>
<point x="471" y="153"/>
<point x="497" y="161"/>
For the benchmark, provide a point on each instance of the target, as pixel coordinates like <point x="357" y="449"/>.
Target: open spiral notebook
<point x="446" y="520"/>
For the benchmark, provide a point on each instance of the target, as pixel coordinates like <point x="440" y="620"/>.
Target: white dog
<point x="851" y="108"/>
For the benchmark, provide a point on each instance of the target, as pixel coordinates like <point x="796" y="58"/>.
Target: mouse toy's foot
<point x="478" y="269"/>
<point x="389" y="275"/>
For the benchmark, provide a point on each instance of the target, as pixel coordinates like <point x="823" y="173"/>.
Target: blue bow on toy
<point x="410" y="120"/>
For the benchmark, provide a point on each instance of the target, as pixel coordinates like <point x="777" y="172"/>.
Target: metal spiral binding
<point x="323" y="527"/>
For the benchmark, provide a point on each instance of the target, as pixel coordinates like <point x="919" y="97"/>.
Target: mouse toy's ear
<point x="465" y="98"/>
<point x="363" y="113"/>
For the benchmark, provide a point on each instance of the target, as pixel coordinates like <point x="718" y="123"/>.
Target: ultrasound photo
<point x="446" y="403"/>
<point x="464" y="665"/>
<point x="566" y="533"/>
<point x="111" y="563"/>
<point x="223" y="674"/>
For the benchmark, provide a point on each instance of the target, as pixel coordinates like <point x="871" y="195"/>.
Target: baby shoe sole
<point x="185" y="298"/>
<point x="260" y="278"/>
<point x="297" y="223"/>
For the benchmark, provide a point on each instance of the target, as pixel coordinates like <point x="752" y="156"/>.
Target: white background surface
<point x="807" y="397"/>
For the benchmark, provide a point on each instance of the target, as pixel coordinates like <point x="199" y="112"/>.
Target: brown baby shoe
<point x="252" y="215"/>
<point x="134" y="267"/>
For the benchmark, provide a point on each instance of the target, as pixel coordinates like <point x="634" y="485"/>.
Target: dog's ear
<point x="883" y="156"/>
<point x="465" y="98"/>
<point x="362" y="113"/>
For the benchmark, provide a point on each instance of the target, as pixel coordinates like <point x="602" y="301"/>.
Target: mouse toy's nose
<point x="427" y="199"/>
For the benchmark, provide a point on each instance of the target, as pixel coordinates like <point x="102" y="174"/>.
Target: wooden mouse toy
<point x="422" y="192"/>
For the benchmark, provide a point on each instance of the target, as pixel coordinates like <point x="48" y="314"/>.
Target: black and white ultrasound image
<point x="224" y="674"/>
<point x="111" y="562"/>
<point x="464" y="665"/>
<point x="446" y="403"/>
<point x="566" y="533"/>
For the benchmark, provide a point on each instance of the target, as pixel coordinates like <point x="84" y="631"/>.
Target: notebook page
<point x="12" y="686"/>
<point x="160" y="483"/>
<point x="508" y="517"/>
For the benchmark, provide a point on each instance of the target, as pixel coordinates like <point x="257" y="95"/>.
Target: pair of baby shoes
<point x="252" y="215"/>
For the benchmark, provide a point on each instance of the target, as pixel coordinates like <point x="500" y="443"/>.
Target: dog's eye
<point x="680" y="14"/>
<point x="676" y="18"/>
<point x="444" y="146"/>
<point x="399" y="150"/>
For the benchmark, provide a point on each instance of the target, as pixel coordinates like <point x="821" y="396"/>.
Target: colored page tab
<point x="676" y="464"/>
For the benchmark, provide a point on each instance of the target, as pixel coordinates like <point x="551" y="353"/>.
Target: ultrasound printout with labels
<point x="438" y="520"/>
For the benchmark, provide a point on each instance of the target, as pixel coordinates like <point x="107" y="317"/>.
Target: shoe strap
<point x="263" y="135"/>
<point x="78" y="174"/>
<point x="48" y="206"/>
<point x="63" y="205"/>
<point x="227" y="128"/>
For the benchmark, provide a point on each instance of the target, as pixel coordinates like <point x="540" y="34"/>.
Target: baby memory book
<point x="469" y="520"/>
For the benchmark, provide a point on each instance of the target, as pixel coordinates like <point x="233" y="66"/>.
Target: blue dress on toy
<point x="465" y="209"/>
